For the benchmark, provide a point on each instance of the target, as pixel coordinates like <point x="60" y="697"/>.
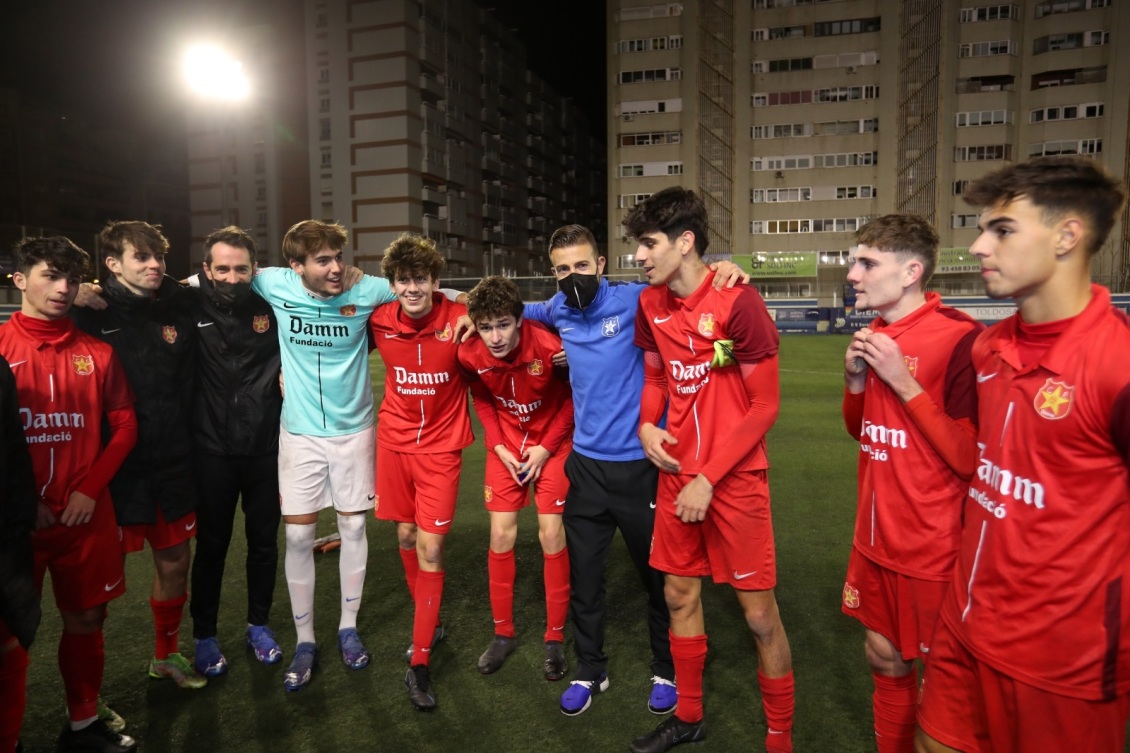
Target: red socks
<point x="429" y="591"/>
<point x="81" y="659"/>
<point x="411" y="567"/>
<point x="501" y="571"/>
<point x="555" y="574"/>
<point x="166" y="622"/>
<point x="13" y="693"/>
<point x="689" y="657"/>
<point x="894" y="705"/>
<point x="778" y="700"/>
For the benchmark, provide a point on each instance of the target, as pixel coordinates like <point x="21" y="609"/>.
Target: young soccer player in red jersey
<point x="909" y="399"/>
<point x="1032" y="648"/>
<point x="68" y="383"/>
<point x="526" y="409"/>
<point x="423" y="426"/>
<point x="711" y="358"/>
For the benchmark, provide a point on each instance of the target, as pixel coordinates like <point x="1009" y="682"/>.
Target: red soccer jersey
<point x="908" y="517"/>
<point x="424" y="408"/>
<point x="65" y="387"/>
<point x="701" y="340"/>
<point x="531" y="399"/>
<point x="1041" y="590"/>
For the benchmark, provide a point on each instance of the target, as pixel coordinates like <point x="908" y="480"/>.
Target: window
<point x="650" y="75"/>
<point x="324" y="129"/>
<point x="846" y="159"/>
<point x="1066" y="112"/>
<point x="983" y="49"/>
<point x="323" y="75"/>
<point x="845" y="127"/>
<point x="958" y="187"/>
<point x="985" y="84"/>
<point x="631" y="171"/>
<point x="1072" y="146"/>
<point x="854" y="26"/>
<point x="983" y="118"/>
<point x="982" y="153"/>
<point x="785" y="32"/>
<point x="651" y="11"/>
<point x="1068" y="6"/>
<point x="629" y="200"/>
<point x="855" y="192"/>
<point x="651" y="139"/>
<point x="963" y="220"/>
<point x="1069" y="77"/>
<point x="327" y="160"/>
<point x="845" y="93"/>
<point x="783" y="131"/>
<point x="793" y="162"/>
<point x="989" y="13"/>
<point x="779" y="195"/>
<point x="782" y="66"/>
<point x="324" y="104"/>
<point x="672" y="42"/>
<point x="778" y="227"/>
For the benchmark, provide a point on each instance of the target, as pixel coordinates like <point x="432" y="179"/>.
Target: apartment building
<point x="799" y="120"/>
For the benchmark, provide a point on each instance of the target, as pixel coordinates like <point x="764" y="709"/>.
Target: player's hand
<point x="512" y="464"/>
<point x="885" y="358"/>
<point x="43" y="516"/>
<point x="559" y="359"/>
<point x="694" y="500"/>
<point x="855" y="366"/>
<point x="464" y="329"/>
<point x="653" y="440"/>
<point x="79" y="510"/>
<point x="727" y="274"/>
<point x="90" y="296"/>
<point x="350" y="276"/>
<point x="535" y="458"/>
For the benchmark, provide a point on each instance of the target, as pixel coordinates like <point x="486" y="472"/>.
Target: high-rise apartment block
<point x="423" y="117"/>
<point x="799" y="120"/>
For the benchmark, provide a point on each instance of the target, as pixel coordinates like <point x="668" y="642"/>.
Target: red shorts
<point x="733" y="544"/>
<point x="160" y="535"/>
<point x="900" y="608"/>
<point x="971" y="707"/>
<point x="418" y="488"/>
<point x="501" y="494"/>
<point x="85" y="561"/>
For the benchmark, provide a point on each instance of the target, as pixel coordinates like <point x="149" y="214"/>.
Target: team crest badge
<point x="535" y="367"/>
<point x="610" y="326"/>
<point x="851" y="597"/>
<point x="169" y="332"/>
<point x="911" y="364"/>
<point x="488" y="494"/>
<point x="1053" y="400"/>
<point x="706" y="325"/>
<point x="349" y="310"/>
<point x="83" y="365"/>
<point x="261" y="323"/>
<point x="445" y="334"/>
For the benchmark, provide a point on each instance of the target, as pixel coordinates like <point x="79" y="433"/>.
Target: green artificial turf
<point x="812" y="481"/>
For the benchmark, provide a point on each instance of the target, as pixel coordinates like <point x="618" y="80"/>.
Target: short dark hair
<point x="231" y="235"/>
<point x="141" y="235"/>
<point x="572" y="235"/>
<point x="493" y="298"/>
<point x="672" y="212"/>
<point x="411" y="254"/>
<point x="904" y="234"/>
<point x="1057" y="186"/>
<point x="310" y="237"/>
<point x="58" y="251"/>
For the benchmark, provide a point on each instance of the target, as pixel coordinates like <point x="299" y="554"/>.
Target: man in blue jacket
<point x="611" y="482"/>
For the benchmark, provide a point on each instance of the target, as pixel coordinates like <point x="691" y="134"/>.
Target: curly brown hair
<point x="493" y="298"/>
<point x="58" y="251"/>
<point x="412" y="254"/>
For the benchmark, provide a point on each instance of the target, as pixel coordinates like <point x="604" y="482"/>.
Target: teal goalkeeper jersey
<point x="324" y="344"/>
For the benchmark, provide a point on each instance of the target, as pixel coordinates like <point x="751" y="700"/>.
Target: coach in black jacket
<point x="235" y="424"/>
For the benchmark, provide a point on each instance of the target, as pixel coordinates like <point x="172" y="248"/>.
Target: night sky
<point x="115" y="62"/>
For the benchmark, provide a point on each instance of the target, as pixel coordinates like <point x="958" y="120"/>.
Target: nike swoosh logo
<point x="112" y="586"/>
<point x="302" y="616"/>
<point x="652" y="505"/>
<point x="499" y="622"/>
<point x="111" y="331"/>
<point x="372" y="497"/>
<point x="566" y="329"/>
<point x="985" y="377"/>
<point x="657" y="320"/>
<point x="289" y="305"/>
<point x="355" y="598"/>
<point x="442" y="522"/>
<point x="204" y="324"/>
<point x="389" y="337"/>
<point x="17" y="363"/>
<point x="555" y="629"/>
<point x="743" y="576"/>
<point x="483" y="371"/>
<point x="190" y="526"/>
<point x="923" y="648"/>
<point x="559" y="502"/>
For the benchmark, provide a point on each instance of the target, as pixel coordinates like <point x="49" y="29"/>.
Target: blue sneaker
<point x="353" y="651"/>
<point x="301" y="667"/>
<point x="578" y="697"/>
<point x="210" y="661"/>
<point x="663" y="698"/>
<point x="262" y="641"/>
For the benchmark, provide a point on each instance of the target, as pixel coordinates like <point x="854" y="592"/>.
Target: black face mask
<point x="579" y="290"/>
<point x="227" y="294"/>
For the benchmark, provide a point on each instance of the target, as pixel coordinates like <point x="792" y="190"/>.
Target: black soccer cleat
<point x="668" y="734"/>
<point x="418" y="681"/>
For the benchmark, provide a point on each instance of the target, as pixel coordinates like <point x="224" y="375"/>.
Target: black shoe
<point x="668" y="734"/>
<point x="496" y="653"/>
<point x="418" y="682"/>
<point x="94" y="738"/>
<point x="555" y="663"/>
